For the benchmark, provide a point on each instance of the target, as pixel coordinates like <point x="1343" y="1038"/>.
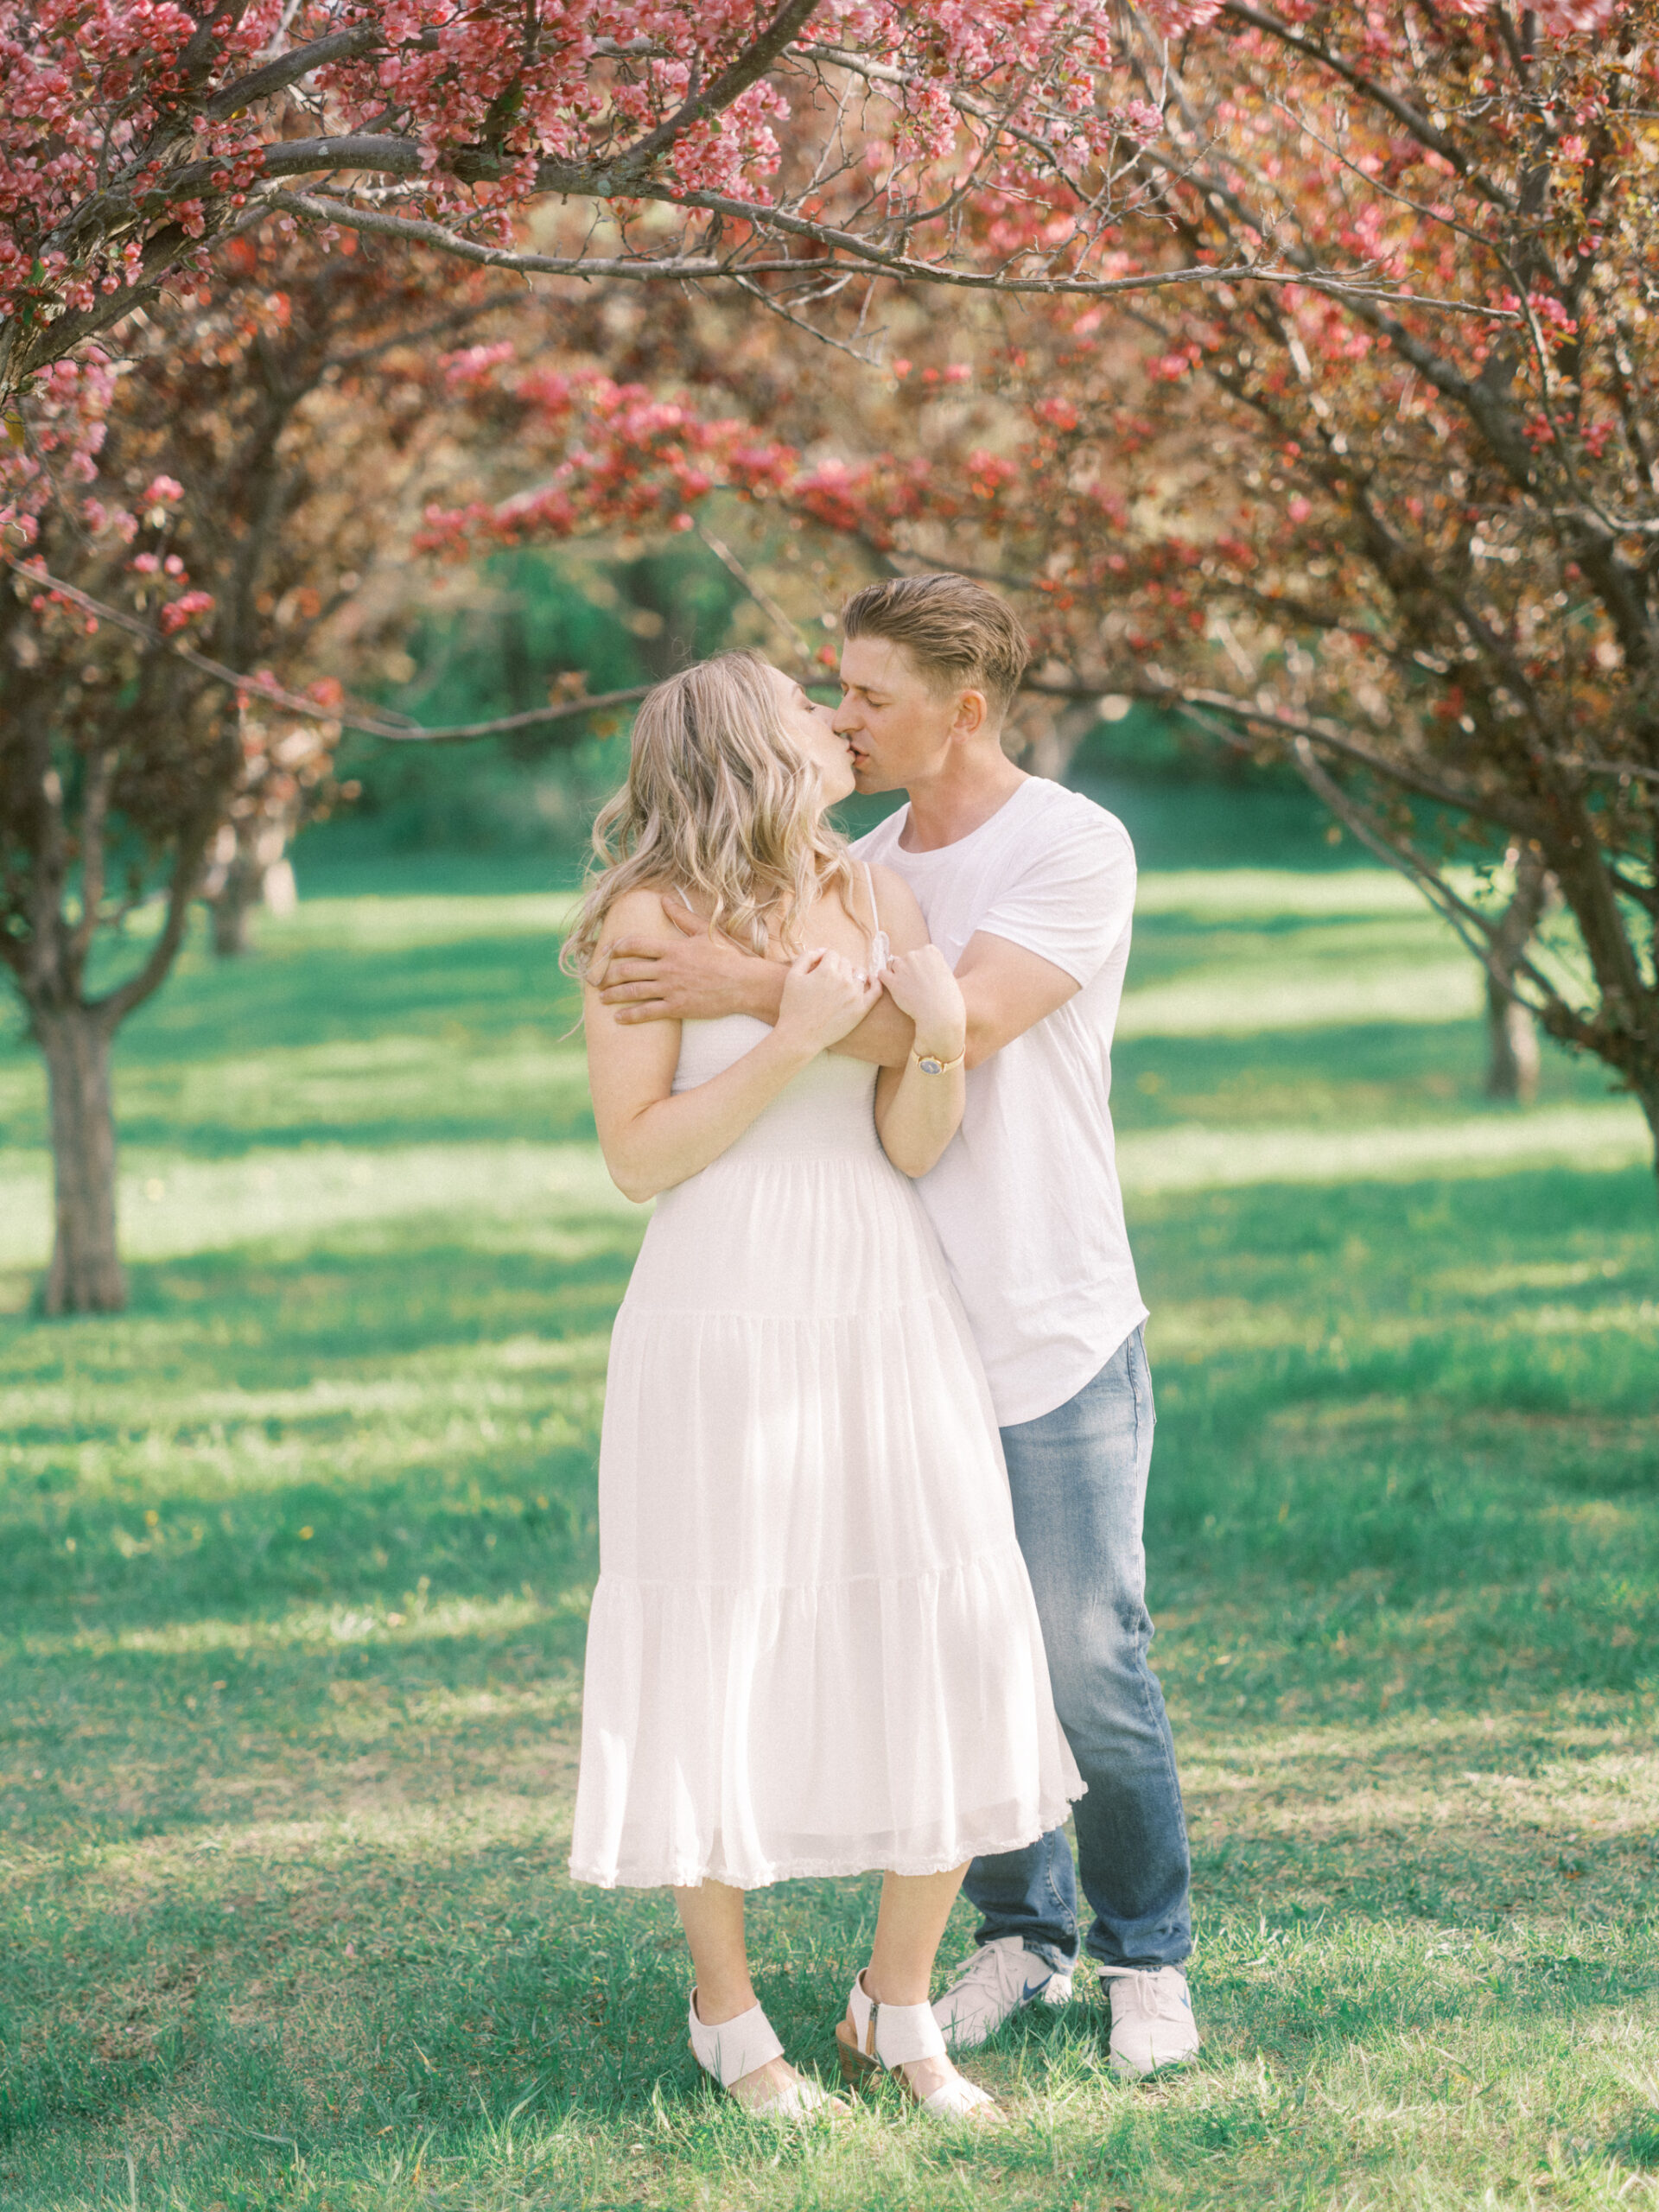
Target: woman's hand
<point x="921" y="985"/>
<point x="824" y="997"/>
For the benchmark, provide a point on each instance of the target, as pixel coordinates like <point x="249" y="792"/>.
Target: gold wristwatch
<point x="931" y="1063"/>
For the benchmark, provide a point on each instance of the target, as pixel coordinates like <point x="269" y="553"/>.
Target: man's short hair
<point x="962" y="636"/>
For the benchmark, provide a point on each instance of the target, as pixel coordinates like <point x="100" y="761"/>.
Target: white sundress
<point x="813" y="1647"/>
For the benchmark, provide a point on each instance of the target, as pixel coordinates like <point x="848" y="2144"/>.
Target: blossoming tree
<point x="794" y="150"/>
<point x="226" y="493"/>
<point x="1394" y="265"/>
<point x="1421" y="561"/>
<point x="1417" y="552"/>
<point x="789" y="146"/>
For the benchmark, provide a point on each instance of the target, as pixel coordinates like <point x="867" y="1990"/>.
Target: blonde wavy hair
<point x="719" y="803"/>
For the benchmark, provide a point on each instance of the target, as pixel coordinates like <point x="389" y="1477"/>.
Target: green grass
<point x="294" y="1557"/>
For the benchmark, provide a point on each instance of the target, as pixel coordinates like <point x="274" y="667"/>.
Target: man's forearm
<point x="762" y="985"/>
<point x="885" y="1036"/>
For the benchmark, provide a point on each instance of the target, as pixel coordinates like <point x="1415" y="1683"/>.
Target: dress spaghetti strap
<point x="881" y="951"/>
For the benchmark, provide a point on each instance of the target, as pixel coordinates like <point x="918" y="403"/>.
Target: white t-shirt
<point x="1026" y="1199"/>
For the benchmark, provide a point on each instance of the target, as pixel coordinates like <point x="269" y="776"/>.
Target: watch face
<point x="931" y="1066"/>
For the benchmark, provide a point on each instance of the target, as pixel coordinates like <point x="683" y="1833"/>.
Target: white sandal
<point x="734" y="2048"/>
<point x="876" y="2038"/>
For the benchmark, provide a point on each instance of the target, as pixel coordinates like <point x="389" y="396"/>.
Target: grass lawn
<point x="295" y="1557"/>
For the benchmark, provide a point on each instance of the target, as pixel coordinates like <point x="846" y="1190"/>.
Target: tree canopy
<point x="795" y="151"/>
<point x="1418" y="552"/>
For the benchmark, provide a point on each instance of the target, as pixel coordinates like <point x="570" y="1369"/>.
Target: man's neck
<point x="964" y="795"/>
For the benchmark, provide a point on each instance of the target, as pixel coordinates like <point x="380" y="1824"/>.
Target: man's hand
<point x="921" y="985"/>
<point x="699" y="978"/>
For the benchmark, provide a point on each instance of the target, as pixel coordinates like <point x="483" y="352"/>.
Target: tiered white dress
<point x="813" y="1647"/>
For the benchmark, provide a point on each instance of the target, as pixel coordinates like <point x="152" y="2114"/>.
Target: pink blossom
<point x="1011" y="114"/>
<point x="183" y="611"/>
<point x="473" y="365"/>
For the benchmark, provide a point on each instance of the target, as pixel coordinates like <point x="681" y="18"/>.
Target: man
<point x="1028" y="889"/>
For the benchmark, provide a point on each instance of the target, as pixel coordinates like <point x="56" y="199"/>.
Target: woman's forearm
<point x="884" y="1036"/>
<point x="917" y="1114"/>
<point x="673" y="1138"/>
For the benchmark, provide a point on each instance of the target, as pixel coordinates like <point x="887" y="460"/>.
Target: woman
<point x="813" y="1647"/>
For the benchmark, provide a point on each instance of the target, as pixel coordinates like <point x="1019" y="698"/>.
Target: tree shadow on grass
<point x="301" y="994"/>
<point x="388" y="1289"/>
<point x="270" y="1547"/>
<point x="380" y="1977"/>
<point x="265" y="1316"/>
<point x="383" y="1950"/>
<point x="1387" y="1073"/>
<point x="1476" y="1819"/>
<point x="1269" y="1233"/>
<point x="373" y="1986"/>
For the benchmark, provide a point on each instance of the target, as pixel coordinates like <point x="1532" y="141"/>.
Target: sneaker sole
<point x="1130" y="2071"/>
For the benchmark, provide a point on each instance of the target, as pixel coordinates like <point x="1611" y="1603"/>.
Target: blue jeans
<point x="1078" y="1476"/>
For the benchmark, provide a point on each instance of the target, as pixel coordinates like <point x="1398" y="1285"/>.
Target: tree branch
<point x="94" y="814"/>
<point x="747" y="69"/>
<point x="1481" y="936"/>
<point x="1294" y="729"/>
<point x="859" y="252"/>
<point x="780" y="620"/>
<point x="274" y="77"/>
<point x="1408" y="118"/>
<point x="188" y="855"/>
<point x="673" y="268"/>
<point x="294" y="703"/>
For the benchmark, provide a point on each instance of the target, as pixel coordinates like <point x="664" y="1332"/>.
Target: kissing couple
<point x="878" y="1420"/>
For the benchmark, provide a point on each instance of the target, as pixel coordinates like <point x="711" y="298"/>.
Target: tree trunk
<point x="1649" y="1095"/>
<point x="1046" y="734"/>
<point x="1511" y="1033"/>
<point x="257" y="873"/>
<point x="230" y="911"/>
<point x="1512" y="1047"/>
<point x="86" y="1273"/>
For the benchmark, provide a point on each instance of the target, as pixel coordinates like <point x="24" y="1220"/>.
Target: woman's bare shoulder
<point x="639" y="914"/>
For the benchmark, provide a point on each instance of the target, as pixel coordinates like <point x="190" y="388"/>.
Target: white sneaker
<point x="992" y="1986"/>
<point x="1152" y="2019"/>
